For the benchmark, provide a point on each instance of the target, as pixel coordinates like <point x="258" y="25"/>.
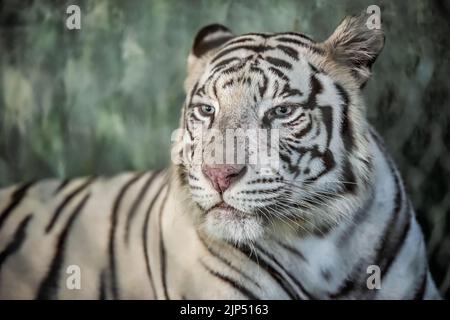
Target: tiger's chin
<point x="232" y="225"/>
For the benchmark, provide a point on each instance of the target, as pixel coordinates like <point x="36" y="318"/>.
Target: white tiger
<point x="334" y="208"/>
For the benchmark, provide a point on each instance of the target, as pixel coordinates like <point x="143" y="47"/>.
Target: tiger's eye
<point x="207" y="110"/>
<point x="282" y="111"/>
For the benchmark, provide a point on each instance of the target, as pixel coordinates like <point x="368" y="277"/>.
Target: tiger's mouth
<point x="225" y="222"/>
<point x="225" y="208"/>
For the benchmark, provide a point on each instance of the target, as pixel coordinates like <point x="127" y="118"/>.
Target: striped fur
<point x="336" y="206"/>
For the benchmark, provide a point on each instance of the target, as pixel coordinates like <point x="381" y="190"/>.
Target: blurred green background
<point x="106" y="98"/>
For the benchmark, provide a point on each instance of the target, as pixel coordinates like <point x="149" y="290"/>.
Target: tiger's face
<point x="286" y="97"/>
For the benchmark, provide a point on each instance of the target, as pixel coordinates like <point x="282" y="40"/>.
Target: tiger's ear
<point x="207" y="40"/>
<point x="210" y="37"/>
<point x="356" y="46"/>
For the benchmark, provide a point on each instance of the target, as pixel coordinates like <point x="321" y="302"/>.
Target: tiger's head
<point x="306" y="96"/>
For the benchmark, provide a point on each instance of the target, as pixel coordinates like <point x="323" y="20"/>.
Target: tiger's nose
<point x="222" y="176"/>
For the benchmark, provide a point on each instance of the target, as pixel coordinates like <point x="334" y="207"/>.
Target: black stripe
<point x="278" y="278"/>
<point x="291" y="167"/>
<point x="284" y="147"/>
<point x="317" y="50"/>
<point x="17" y="241"/>
<point x="194" y="116"/>
<point x="145" y="236"/>
<point x="357" y="219"/>
<point x="313" y="68"/>
<point x="228" y="83"/>
<point x="293" y="251"/>
<point x="305" y="130"/>
<point x="300" y="35"/>
<point x="279" y="73"/>
<point x="276" y="86"/>
<point x="243" y="290"/>
<point x="346" y="127"/>
<point x="291" y="52"/>
<point x="278" y="62"/>
<point x="262" y="35"/>
<point x="230" y="70"/>
<point x="224" y="63"/>
<point x="262" y="88"/>
<point x="420" y="290"/>
<point x="189" y="103"/>
<point x="262" y="191"/>
<point x="254" y="48"/>
<point x="395" y="250"/>
<point x="136" y="202"/>
<point x="316" y="88"/>
<point x="182" y="174"/>
<point x="327" y="119"/>
<point x="65" y="202"/>
<point x="48" y="288"/>
<point x="289" y="92"/>
<point x="162" y="250"/>
<point x="386" y="249"/>
<point x="226" y="262"/>
<point x="293" y="278"/>
<point x="102" y="294"/>
<point x="193" y="177"/>
<point x="112" y="233"/>
<point x="17" y="196"/>
<point x="214" y="86"/>
<point x="201" y="91"/>
<point x="294" y="41"/>
<point x="351" y="282"/>
<point x="348" y="178"/>
<point x="239" y="40"/>
<point x="348" y="285"/>
<point x="327" y="159"/>
<point x="61" y="186"/>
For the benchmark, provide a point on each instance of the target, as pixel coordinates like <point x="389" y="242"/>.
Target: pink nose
<point x="222" y="176"/>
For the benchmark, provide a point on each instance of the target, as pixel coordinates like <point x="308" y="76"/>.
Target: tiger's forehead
<point x="259" y="44"/>
<point x="256" y="54"/>
<point x="254" y="67"/>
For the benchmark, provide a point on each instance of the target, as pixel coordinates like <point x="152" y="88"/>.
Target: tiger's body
<point x="143" y="245"/>
<point x="314" y="230"/>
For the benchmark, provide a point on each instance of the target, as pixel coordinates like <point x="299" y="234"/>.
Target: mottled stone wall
<point x="106" y="98"/>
